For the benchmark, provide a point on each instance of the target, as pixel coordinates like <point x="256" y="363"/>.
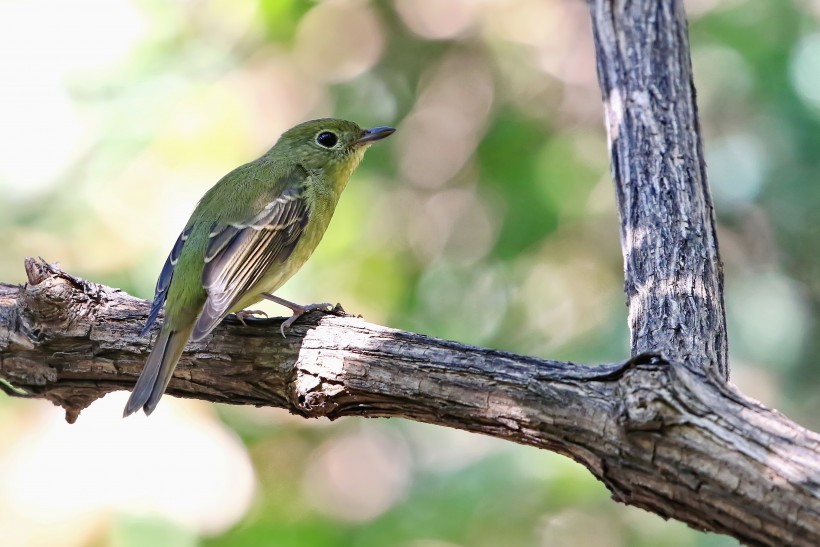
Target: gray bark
<point x="674" y="277"/>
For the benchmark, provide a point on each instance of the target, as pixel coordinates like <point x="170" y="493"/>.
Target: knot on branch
<point x="644" y="394"/>
<point x="53" y="300"/>
<point x="316" y="387"/>
<point x="74" y="399"/>
<point x="314" y="396"/>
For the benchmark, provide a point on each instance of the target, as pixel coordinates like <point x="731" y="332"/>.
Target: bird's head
<point x="332" y="146"/>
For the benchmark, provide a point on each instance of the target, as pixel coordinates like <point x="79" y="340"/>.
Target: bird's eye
<point x="327" y="139"/>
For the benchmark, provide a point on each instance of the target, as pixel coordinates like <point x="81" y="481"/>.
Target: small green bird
<point x="248" y="235"/>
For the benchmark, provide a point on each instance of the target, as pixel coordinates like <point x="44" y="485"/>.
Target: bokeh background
<point x="489" y="218"/>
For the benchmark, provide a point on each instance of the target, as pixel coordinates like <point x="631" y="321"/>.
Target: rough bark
<point x="664" y="436"/>
<point x="674" y="278"/>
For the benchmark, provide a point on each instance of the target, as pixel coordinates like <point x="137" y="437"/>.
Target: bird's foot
<point x="299" y="310"/>
<point x="241" y="315"/>
<point x="302" y="310"/>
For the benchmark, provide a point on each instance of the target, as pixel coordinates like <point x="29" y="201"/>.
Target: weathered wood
<point x="664" y="436"/>
<point x="674" y="277"/>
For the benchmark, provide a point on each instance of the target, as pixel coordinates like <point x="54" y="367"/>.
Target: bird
<point x="249" y="234"/>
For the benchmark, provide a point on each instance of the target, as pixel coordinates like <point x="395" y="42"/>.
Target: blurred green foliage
<point x="489" y="219"/>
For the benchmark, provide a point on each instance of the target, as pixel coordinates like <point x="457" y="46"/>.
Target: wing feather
<point x="239" y="254"/>
<point x="164" y="281"/>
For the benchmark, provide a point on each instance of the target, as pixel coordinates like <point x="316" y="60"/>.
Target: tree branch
<point x="674" y="278"/>
<point x="664" y="436"/>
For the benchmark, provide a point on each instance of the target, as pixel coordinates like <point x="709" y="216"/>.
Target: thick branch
<point x="674" y="278"/>
<point x="663" y="436"/>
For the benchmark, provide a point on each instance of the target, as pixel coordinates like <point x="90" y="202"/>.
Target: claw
<point x="241" y="315"/>
<point x="287" y="323"/>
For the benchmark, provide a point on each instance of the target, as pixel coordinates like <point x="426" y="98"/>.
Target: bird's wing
<point x="164" y="281"/>
<point x="239" y="254"/>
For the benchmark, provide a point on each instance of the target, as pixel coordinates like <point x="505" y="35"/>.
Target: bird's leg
<point x="299" y="310"/>
<point x="241" y="315"/>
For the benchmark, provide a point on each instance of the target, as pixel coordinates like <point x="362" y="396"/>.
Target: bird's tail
<point x="159" y="367"/>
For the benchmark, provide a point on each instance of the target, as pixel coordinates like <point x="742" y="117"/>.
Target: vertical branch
<point x="674" y="277"/>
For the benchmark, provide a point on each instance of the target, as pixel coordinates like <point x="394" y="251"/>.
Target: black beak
<point x="374" y="134"/>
